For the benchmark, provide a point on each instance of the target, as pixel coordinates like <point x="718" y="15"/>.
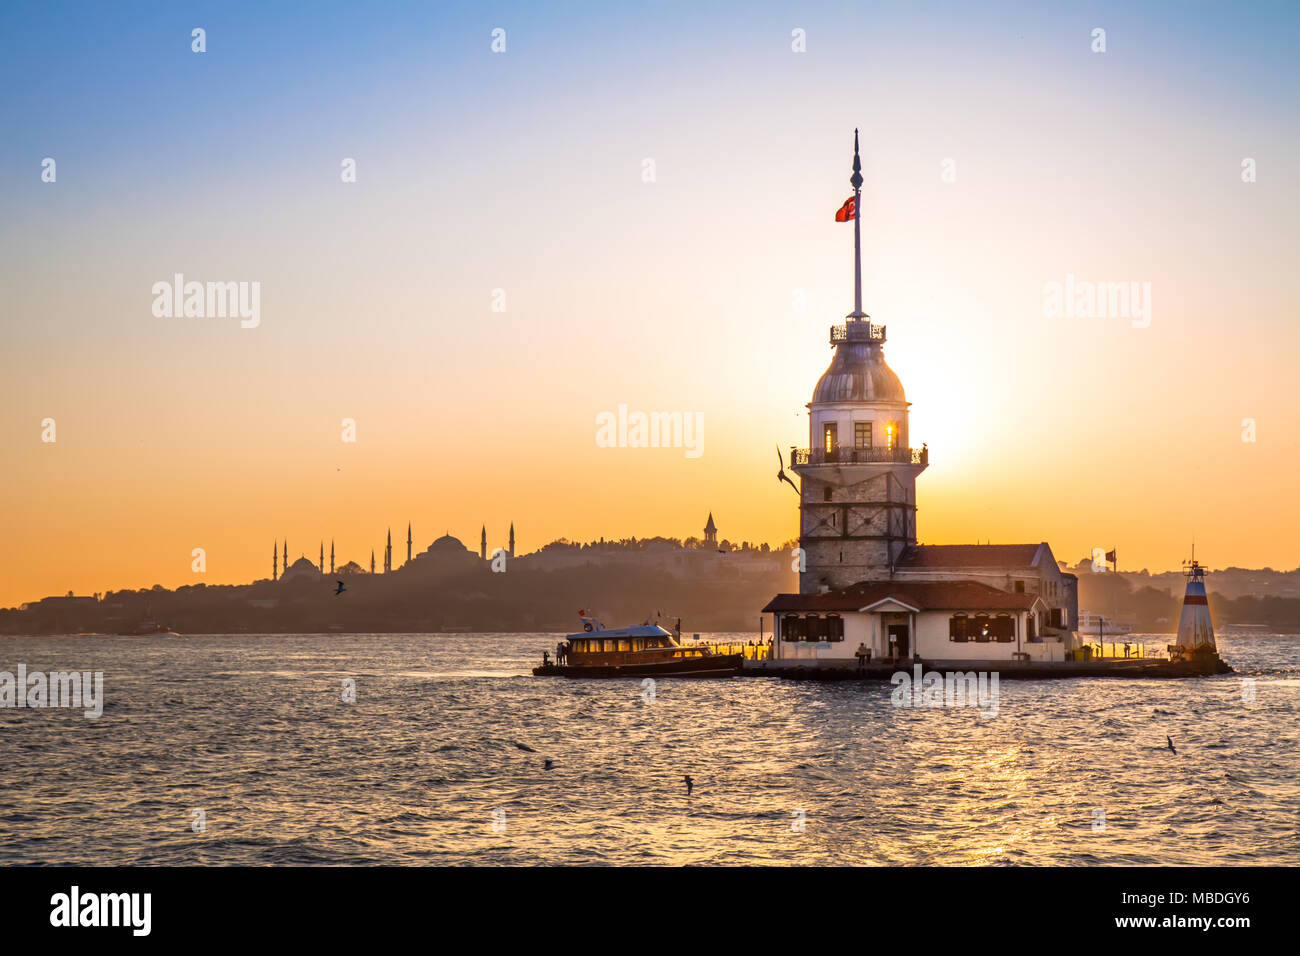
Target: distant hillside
<point x="464" y="598"/>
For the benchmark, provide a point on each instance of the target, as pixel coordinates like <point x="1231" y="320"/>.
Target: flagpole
<point x="856" y="182"/>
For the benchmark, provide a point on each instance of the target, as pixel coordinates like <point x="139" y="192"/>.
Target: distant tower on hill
<point x="388" y="552"/>
<point x="711" y="532"/>
<point x="275" y="561"/>
<point x="331" y="555"/>
<point x="512" y="539"/>
<point x="482" y="544"/>
<point x="372" y="560"/>
<point x="322" y="556"/>
<point x="408" y="542"/>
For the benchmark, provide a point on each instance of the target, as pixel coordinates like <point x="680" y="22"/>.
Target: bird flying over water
<point x="1170" y="743"/>
<point x="340" y="589"/>
<point x="690" y="784"/>
<point x="781" y="475"/>
<point x="525" y="747"/>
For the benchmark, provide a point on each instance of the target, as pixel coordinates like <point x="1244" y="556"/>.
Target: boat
<point x="646" y="650"/>
<point x="146" y="626"/>
<point x="1098" y="624"/>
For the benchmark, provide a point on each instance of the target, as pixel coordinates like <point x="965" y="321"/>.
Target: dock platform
<point x="1135" y="668"/>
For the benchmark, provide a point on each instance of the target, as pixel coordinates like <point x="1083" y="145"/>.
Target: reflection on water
<point x="447" y="729"/>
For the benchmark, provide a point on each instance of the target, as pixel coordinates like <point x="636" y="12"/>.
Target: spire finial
<point x="856" y="179"/>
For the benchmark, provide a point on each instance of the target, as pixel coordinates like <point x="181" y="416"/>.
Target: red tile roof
<point x="969" y="556"/>
<point x="923" y="595"/>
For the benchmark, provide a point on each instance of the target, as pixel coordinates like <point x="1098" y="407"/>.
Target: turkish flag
<point x="848" y="211"/>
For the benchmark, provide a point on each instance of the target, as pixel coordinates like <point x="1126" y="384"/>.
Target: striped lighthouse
<point x="1195" y="630"/>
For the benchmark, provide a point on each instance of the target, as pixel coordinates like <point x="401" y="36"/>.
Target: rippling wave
<point x="441" y="759"/>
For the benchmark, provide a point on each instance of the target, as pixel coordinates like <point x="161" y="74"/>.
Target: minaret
<point x="482" y="544"/>
<point x="711" y="532"/>
<point x="331" y="555"/>
<point x="408" y="542"/>
<point x="857" y="501"/>
<point x="372" y="560"/>
<point x="275" y="561"/>
<point x="322" y="555"/>
<point x="388" y="552"/>
<point x="512" y="539"/>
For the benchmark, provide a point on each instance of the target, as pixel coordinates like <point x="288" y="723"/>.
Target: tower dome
<point x="858" y="372"/>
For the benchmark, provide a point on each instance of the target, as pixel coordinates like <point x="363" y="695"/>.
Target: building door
<point x="898" y="640"/>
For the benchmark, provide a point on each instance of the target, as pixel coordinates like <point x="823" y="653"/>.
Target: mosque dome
<point x="447" y="545"/>
<point x="858" y="373"/>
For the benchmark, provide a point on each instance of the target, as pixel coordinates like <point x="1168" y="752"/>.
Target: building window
<point x="862" y="434"/>
<point x="834" y="627"/>
<point x="957" y="628"/>
<point x="891" y="435"/>
<point x="792" y="628"/>
<point x="982" y="633"/>
<point x="1020" y="587"/>
<point x="815" y="628"/>
<point x="1003" y="629"/>
<point x="831" y="437"/>
<point x="826" y="493"/>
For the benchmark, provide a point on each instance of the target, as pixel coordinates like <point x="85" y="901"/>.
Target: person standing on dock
<point x="862" y="654"/>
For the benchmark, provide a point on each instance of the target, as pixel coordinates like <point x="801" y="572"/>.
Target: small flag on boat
<point x="848" y="212"/>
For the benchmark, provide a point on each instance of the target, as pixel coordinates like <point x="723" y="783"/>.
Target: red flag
<point x="847" y="212"/>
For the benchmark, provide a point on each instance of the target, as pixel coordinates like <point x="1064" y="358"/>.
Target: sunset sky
<point x="524" y="171"/>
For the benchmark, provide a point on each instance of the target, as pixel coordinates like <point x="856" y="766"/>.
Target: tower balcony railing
<point x="857" y="332"/>
<point x="849" y="455"/>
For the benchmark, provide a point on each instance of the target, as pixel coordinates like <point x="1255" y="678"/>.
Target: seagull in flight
<point x="781" y="475"/>
<point x="1170" y="743"/>
<point x="690" y="784"/>
<point x="340" y="589"/>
